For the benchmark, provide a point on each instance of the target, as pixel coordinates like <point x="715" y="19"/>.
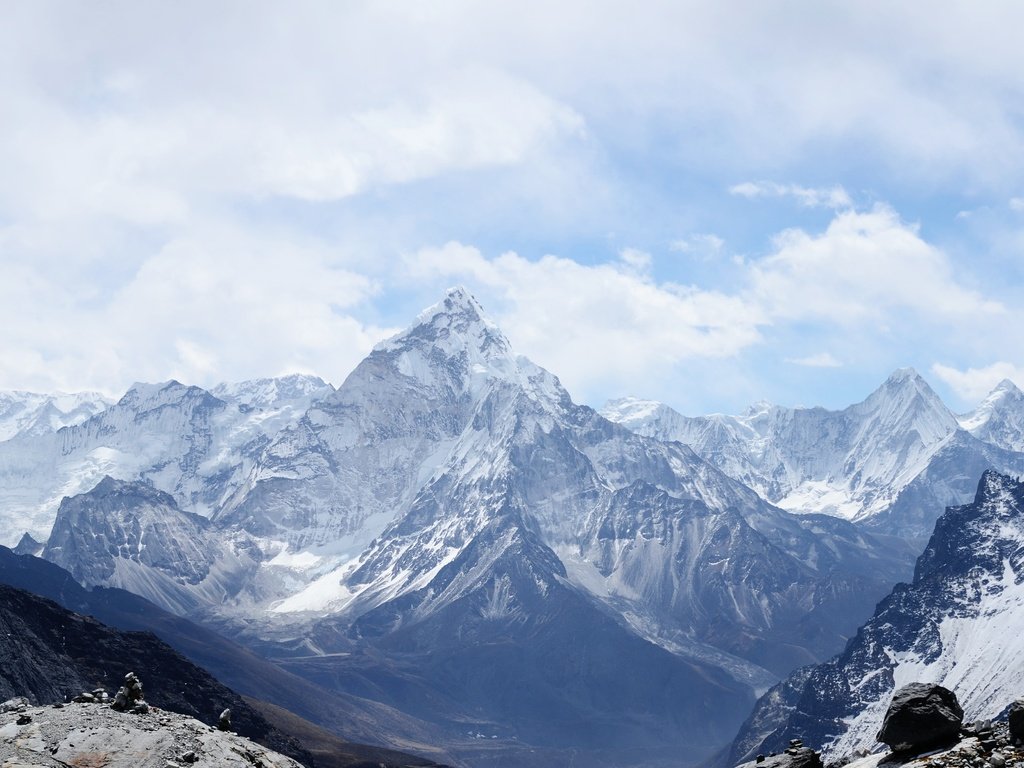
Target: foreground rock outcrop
<point x="96" y="736"/>
<point x="921" y="715"/>
<point x="49" y="654"/>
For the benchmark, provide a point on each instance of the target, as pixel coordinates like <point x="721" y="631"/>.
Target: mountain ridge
<point x="958" y="623"/>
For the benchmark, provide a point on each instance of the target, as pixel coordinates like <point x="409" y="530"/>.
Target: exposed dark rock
<point x="921" y="715"/>
<point x="1015" y="717"/>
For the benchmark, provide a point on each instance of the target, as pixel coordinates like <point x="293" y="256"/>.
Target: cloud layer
<point x="214" y="192"/>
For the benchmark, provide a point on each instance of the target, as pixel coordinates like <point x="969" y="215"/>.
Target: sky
<point x="707" y="204"/>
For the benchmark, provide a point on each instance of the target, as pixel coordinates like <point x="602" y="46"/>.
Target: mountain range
<point x="892" y="462"/>
<point x="449" y="535"/>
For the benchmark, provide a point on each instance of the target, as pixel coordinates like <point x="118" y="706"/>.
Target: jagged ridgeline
<point x="449" y="535"/>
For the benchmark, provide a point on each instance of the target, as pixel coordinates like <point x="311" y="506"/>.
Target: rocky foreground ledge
<point x="993" y="747"/>
<point x="96" y="736"/>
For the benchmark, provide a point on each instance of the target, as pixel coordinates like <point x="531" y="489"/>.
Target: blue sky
<point x="707" y="204"/>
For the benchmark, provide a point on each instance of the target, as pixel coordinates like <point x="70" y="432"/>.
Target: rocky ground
<point x="989" y="747"/>
<point x="96" y="736"/>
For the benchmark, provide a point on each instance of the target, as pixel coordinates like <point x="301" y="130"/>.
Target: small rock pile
<point x="17" y="704"/>
<point x="97" y="696"/>
<point x="795" y="756"/>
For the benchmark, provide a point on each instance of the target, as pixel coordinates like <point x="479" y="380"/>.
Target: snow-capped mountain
<point x="960" y="623"/>
<point x="999" y="419"/>
<point x="181" y="439"/>
<point x="35" y="414"/>
<point x="632" y="520"/>
<point x="864" y="463"/>
<point x="294" y="392"/>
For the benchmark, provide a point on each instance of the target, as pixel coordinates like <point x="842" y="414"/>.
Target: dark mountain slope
<point x="235" y="665"/>
<point x="50" y="654"/>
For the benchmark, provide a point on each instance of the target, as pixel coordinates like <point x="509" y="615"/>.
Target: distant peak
<point x="116" y="488"/>
<point x="460" y="295"/>
<point x="457" y="321"/>
<point x="904" y="375"/>
<point x="147" y="396"/>
<point x="109" y="485"/>
<point x="906" y="381"/>
<point x="1006" y="387"/>
<point x="757" y="409"/>
<point x="456" y="301"/>
<point x="631" y="409"/>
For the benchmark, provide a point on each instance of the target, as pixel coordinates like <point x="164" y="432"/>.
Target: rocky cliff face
<point x="959" y="624"/>
<point x="132" y="536"/>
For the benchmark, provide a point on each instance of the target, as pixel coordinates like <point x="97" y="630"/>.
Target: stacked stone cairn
<point x="129" y="697"/>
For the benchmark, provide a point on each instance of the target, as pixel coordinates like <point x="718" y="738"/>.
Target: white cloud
<point x="636" y="260"/>
<point x="597" y="325"/>
<point x="834" y="197"/>
<point x="820" y="360"/>
<point x="217" y="304"/>
<point x="867" y="277"/>
<point x="154" y="166"/>
<point x="152" y="152"/>
<point x="973" y="384"/>
<point x="863" y="268"/>
<point x="703" y="245"/>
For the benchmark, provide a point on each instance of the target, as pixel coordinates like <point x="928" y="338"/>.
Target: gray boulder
<point x="1016" y="719"/>
<point x="921" y="715"/>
